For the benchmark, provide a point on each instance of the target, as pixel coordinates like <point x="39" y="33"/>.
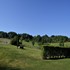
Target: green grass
<point x="29" y="58"/>
<point x="66" y="44"/>
<point x="12" y="58"/>
<point x="29" y="44"/>
<point x="4" y="41"/>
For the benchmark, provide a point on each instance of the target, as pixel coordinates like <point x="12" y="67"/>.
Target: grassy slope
<point x="30" y="58"/>
<point x="4" y="41"/>
<point x="66" y="44"/>
<point x="12" y="58"/>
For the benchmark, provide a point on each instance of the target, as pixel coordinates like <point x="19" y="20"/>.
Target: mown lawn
<point x="30" y="58"/>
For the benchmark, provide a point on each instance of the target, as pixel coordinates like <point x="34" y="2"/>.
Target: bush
<point x="33" y="43"/>
<point x="61" y="44"/>
<point x="21" y="46"/>
<point x="15" y="41"/>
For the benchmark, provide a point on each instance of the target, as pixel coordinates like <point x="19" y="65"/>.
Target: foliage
<point x="56" y="39"/>
<point x="21" y="46"/>
<point x="33" y="43"/>
<point x="12" y="35"/>
<point x="15" y="41"/>
<point x="3" y="34"/>
<point x="39" y="39"/>
<point x="26" y="37"/>
<point x="45" y="39"/>
<point x="51" y="52"/>
<point x="61" y="44"/>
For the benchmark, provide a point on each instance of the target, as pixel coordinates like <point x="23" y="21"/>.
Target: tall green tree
<point x="3" y="34"/>
<point x="26" y="37"/>
<point x="15" y="41"/>
<point x="59" y="38"/>
<point x="12" y="34"/>
<point x="45" y="39"/>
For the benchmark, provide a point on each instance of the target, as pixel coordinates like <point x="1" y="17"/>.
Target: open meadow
<point x="29" y="58"/>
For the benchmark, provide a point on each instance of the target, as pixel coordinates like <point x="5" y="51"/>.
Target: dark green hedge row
<point x="55" y="52"/>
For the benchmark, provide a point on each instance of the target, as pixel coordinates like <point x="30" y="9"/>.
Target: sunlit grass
<point x="29" y="58"/>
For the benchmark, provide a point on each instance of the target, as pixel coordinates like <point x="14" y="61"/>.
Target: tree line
<point x="38" y="38"/>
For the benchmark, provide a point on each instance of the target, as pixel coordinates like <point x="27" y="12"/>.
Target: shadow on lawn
<point x="8" y="68"/>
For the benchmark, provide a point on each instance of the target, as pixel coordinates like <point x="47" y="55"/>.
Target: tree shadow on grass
<point x="8" y="68"/>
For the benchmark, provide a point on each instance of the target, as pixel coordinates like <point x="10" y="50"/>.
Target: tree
<point x="45" y="39"/>
<point x="37" y="38"/>
<point x="15" y="41"/>
<point x="12" y="34"/>
<point x="3" y="34"/>
<point x="26" y="37"/>
<point x="61" y="43"/>
<point x="59" y="38"/>
<point x="33" y="43"/>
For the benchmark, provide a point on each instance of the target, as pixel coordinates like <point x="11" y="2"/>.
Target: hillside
<point x="10" y="56"/>
<point x="4" y="41"/>
<point x="29" y="58"/>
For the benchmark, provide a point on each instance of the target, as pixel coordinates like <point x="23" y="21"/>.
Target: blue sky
<point x="35" y="17"/>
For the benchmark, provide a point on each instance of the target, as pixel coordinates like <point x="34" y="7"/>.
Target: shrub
<point x="33" y="43"/>
<point x="61" y="44"/>
<point x="21" y="46"/>
<point x="15" y="41"/>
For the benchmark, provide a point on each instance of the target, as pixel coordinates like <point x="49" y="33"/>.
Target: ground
<point x="29" y="58"/>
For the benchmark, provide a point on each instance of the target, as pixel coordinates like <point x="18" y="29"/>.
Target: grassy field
<point x="29" y="58"/>
<point x="4" y="41"/>
<point x="66" y="44"/>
